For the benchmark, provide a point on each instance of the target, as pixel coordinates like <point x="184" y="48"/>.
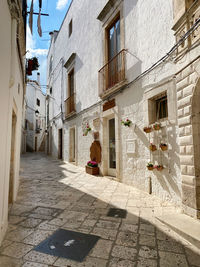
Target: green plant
<point x="127" y="122"/>
<point x="86" y="130"/>
<point x="150" y="164"/>
<point x="157" y="126"/>
<point x="92" y="163"/>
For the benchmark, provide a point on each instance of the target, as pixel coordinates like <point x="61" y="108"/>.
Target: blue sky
<point x="38" y="46"/>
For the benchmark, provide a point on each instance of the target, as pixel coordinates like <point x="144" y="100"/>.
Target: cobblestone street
<point x="54" y="195"/>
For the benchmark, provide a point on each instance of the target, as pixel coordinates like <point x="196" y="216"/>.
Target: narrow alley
<point x="54" y="195"/>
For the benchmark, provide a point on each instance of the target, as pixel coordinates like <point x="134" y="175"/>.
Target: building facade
<point x="123" y="68"/>
<point x="35" y="117"/>
<point x="12" y="90"/>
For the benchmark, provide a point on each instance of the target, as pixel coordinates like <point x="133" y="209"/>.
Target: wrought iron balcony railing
<point x="112" y="73"/>
<point x="70" y="105"/>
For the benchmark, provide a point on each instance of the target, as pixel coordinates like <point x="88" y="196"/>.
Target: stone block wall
<point x="188" y="95"/>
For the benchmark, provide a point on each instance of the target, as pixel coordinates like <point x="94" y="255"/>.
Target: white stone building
<point x="12" y="90"/>
<point x="35" y="116"/>
<point x="118" y="59"/>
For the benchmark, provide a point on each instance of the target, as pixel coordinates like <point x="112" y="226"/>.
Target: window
<point x="38" y="102"/>
<point x="158" y="107"/>
<point x="70" y="28"/>
<point x="50" y="91"/>
<point x="161" y="108"/>
<point x="71" y="82"/>
<point x="113" y="33"/>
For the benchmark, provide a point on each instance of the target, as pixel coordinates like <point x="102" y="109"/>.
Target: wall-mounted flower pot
<point x="147" y="129"/>
<point x="150" y="168"/>
<point x="164" y="147"/>
<point x="156" y="127"/>
<point x="159" y="168"/>
<point x="92" y="170"/>
<point x="153" y="147"/>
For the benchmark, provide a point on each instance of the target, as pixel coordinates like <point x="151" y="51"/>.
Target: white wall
<point x="11" y="99"/>
<point x="147" y="41"/>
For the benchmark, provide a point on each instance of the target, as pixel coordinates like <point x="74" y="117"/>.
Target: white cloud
<point x="61" y="4"/>
<point x="31" y="44"/>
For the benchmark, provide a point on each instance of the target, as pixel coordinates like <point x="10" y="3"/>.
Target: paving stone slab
<point x="10" y="262"/>
<point x="117" y="262"/>
<point x="148" y="263"/>
<point x="16" y="250"/>
<point x="89" y="262"/>
<point x="168" y="259"/>
<point x="36" y="237"/>
<point x="105" y="233"/>
<point x="30" y="223"/>
<point x="124" y="252"/>
<point x="38" y="257"/>
<point x="102" y="249"/>
<point x="19" y="234"/>
<point x="147" y="240"/>
<point x="107" y="224"/>
<point x="170" y="246"/>
<point x="148" y="253"/>
<point x="127" y="239"/>
<point x="34" y="264"/>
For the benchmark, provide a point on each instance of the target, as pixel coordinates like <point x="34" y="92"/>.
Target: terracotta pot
<point x="92" y="170"/>
<point x="164" y="148"/>
<point x="160" y="168"/>
<point x="157" y="127"/>
<point x="152" y="148"/>
<point x="147" y="130"/>
<point x="150" y="168"/>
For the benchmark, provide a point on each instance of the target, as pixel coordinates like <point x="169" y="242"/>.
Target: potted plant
<point x="163" y="146"/>
<point x="159" y="167"/>
<point x="86" y="130"/>
<point x="152" y="147"/>
<point x="157" y="126"/>
<point x="127" y="122"/>
<point x="147" y="129"/>
<point x="150" y="166"/>
<point x="92" y="167"/>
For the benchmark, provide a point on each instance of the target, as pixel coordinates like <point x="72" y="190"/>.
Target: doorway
<point x="60" y="143"/>
<point x="12" y="159"/>
<point x="35" y="143"/>
<point x="72" y="145"/>
<point x="111" y="148"/>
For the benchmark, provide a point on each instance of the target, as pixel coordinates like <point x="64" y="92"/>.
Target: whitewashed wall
<point x="11" y="98"/>
<point x="146" y="41"/>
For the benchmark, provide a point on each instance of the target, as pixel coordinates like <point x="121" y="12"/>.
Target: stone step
<point x="185" y="226"/>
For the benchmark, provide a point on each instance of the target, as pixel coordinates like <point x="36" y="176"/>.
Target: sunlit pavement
<point x="55" y="195"/>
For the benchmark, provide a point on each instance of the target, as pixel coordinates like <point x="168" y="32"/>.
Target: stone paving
<point x="55" y="195"/>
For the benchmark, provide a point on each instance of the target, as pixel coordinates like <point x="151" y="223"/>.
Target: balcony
<point x="70" y="106"/>
<point x="112" y="75"/>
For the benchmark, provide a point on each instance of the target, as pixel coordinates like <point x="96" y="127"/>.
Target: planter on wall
<point x="163" y="147"/>
<point x="92" y="170"/>
<point x="150" y="168"/>
<point x="147" y="129"/>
